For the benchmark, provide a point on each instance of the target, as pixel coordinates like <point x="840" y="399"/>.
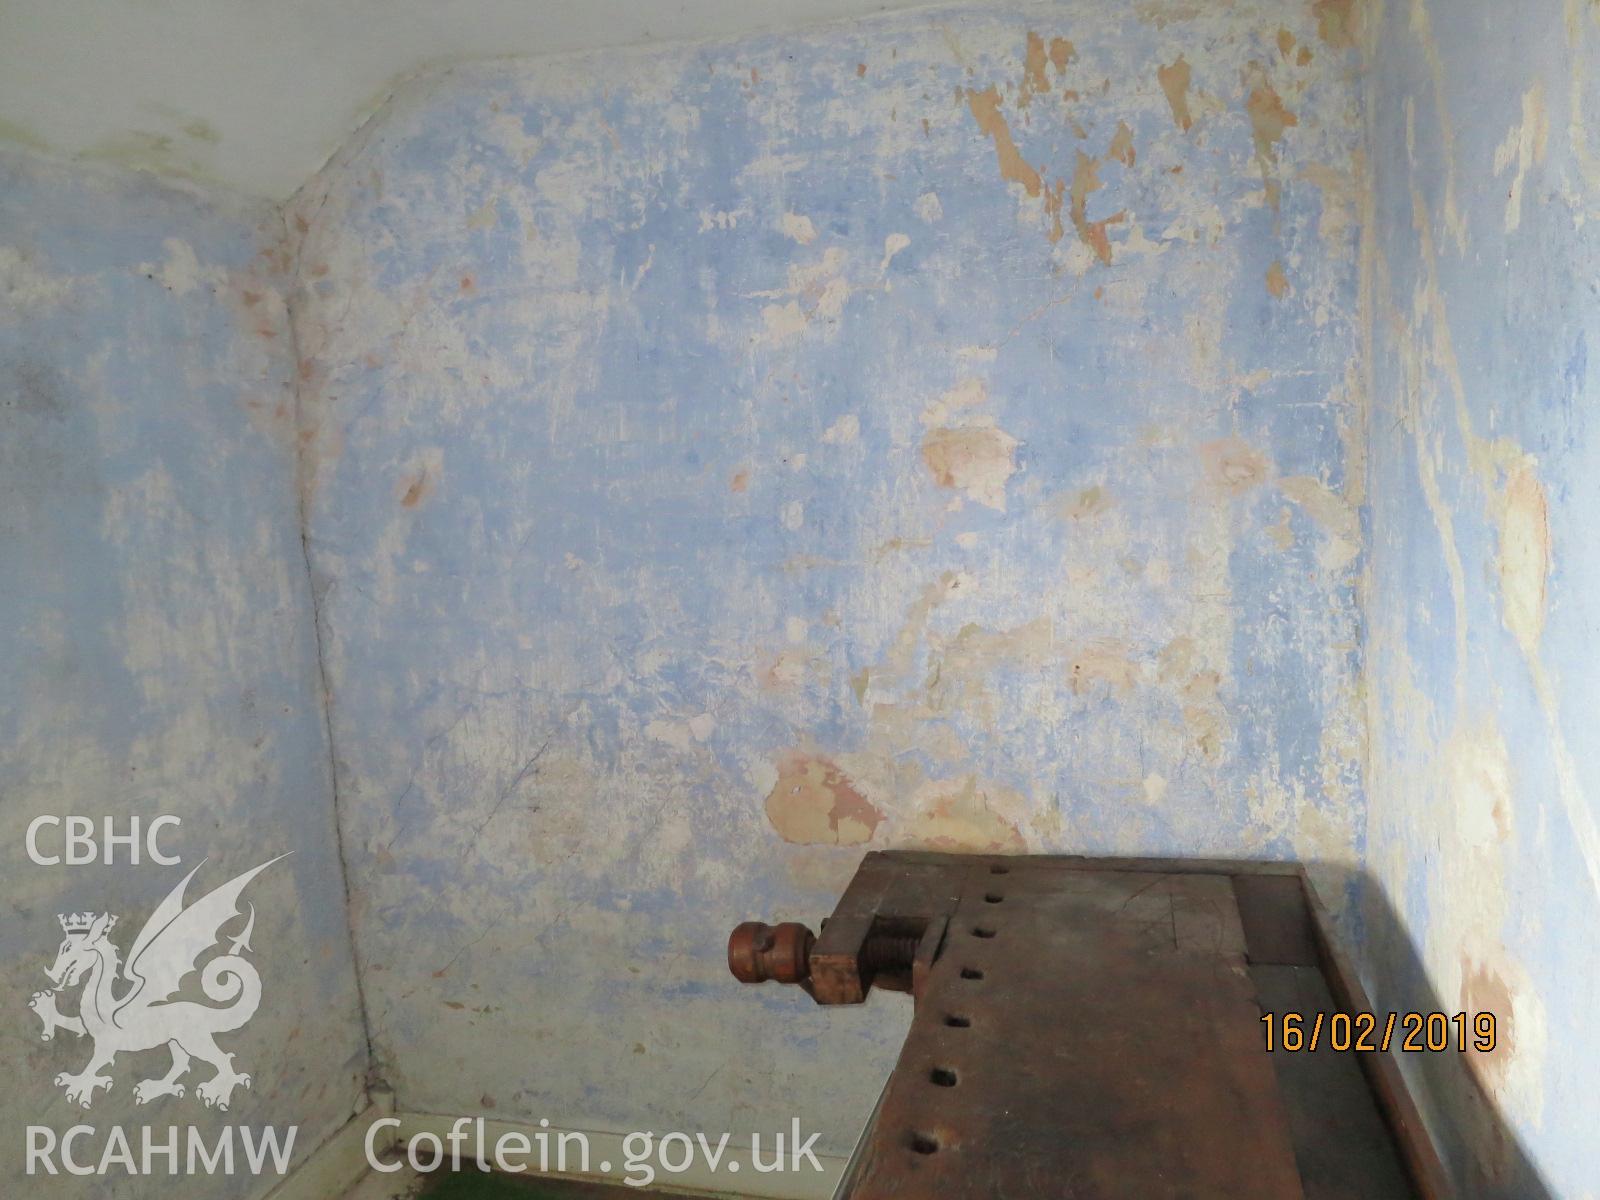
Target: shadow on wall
<point x="1454" y="1091"/>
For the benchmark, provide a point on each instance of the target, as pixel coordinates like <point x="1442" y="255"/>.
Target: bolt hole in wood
<point x="924" y="1143"/>
<point x="997" y="869"/>
<point x="993" y="898"/>
<point x="971" y="973"/>
<point x="956" y="1022"/>
<point x="943" y="1077"/>
<point x="982" y="931"/>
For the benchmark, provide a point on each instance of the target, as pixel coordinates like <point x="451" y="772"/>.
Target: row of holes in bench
<point x="926" y="1143"/>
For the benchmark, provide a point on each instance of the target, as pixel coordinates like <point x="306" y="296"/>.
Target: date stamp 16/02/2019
<point x="1411" y="1032"/>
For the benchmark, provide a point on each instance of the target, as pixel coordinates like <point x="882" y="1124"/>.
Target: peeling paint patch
<point x="1277" y="281"/>
<point x="985" y="108"/>
<point x="1333" y="513"/>
<point x="1268" y="120"/>
<point x="939" y="533"/>
<point x="961" y="814"/>
<point x="1524" y="559"/>
<point x="815" y="804"/>
<point x="1086" y="181"/>
<point x="25" y="287"/>
<point x="843" y="431"/>
<point x="417" y="490"/>
<point x="1091" y="502"/>
<point x="1104" y="661"/>
<point x="1174" y="79"/>
<point x="892" y="245"/>
<point x="181" y="273"/>
<point x="975" y="460"/>
<point x="969" y="393"/>
<point x="1524" y="146"/>
<point x="1122" y="145"/>
<point x="1234" y="466"/>
<point x="797" y="227"/>
<point x="1338" y="22"/>
<point x="1034" y="78"/>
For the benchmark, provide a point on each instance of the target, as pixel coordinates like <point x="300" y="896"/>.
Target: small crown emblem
<point x="81" y="922"/>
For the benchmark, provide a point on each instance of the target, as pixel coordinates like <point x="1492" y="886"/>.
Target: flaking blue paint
<point x="605" y="532"/>
<point x="158" y="639"/>
<point x="1484" y="762"/>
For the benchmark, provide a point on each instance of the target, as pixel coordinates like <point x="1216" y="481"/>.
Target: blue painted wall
<point x="720" y="460"/>
<point x="948" y="430"/>
<point x="1485" y="571"/>
<point x="158" y="638"/>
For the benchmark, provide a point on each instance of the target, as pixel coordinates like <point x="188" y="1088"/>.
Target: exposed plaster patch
<point x="976" y="460"/>
<point x="964" y="814"/>
<point x="843" y="431"/>
<point x="1234" y="466"/>
<point x="969" y="393"/>
<point x="181" y="273"/>
<point x="1121" y="147"/>
<point x="719" y="220"/>
<point x="416" y="490"/>
<point x="1174" y="79"/>
<point x="1524" y="146"/>
<point x="1104" y="661"/>
<point x="1524" y="559"/>
<point x="985" y="107"/>
<point x="1422" y="27"/>
<point x="1268" y="120"/>
<point x="1034" y="77"/>
<point x="1338" y="22"/>
<point x="1277" y="281"/>
<point x="815" y="803"/>
<point x="892" y="245"/>
<point x="1338" y="203"/>
<point x="24" y="287"/>
<point x="1086" y="180"/>
<point x="797" y="227"/>
<point x="1091" y="502"/>
<point x="1331" y="511"/>
<point x="487" y="216"/>
<point x="820" y="292"/>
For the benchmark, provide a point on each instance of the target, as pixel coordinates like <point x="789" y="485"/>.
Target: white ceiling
<point x="257" y="95"/>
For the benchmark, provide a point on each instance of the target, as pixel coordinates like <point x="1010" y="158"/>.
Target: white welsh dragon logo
<point x="167" y="950"/>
